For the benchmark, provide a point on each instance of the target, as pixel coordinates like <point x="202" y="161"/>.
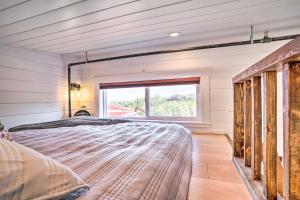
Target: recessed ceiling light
<point x="174" y="34"/>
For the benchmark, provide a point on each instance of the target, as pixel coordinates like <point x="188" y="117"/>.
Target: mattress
<point x="122" y="161"/>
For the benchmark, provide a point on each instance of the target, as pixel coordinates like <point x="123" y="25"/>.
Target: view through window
<point x="154" y="101"/>
<point x="126" y="102"/>
<point x="173" y="101"/>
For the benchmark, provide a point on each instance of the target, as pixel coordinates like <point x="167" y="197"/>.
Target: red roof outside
<point x="119" y="111"/>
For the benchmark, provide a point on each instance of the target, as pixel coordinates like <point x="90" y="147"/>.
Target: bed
<point x="121" y="160"/>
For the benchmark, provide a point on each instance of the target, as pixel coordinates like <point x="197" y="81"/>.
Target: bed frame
<point x="252" y="156"/>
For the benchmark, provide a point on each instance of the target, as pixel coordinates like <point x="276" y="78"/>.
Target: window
<point x="172" y="98"/>
<point x="125" y="102"/>
<point x="173" y="101"/>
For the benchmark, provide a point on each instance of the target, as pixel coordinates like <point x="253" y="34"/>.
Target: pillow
<point x="27" y="174"/>
<point x="1" y="126"/>
<point x="6" y="135"/>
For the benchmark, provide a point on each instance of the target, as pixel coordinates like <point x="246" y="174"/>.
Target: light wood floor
<point x="214" y="176"/>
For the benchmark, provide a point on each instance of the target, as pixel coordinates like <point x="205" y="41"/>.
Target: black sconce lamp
<point x="75" y="87"/>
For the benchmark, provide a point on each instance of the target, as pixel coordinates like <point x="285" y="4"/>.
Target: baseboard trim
<point x="229" y="139"/>
<point x="254" y="187"/>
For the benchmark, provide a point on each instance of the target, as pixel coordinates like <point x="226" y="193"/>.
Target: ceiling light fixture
<point x="174" y="34"/>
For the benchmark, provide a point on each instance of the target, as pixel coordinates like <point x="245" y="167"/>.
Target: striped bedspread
<point x="125" y="161"/>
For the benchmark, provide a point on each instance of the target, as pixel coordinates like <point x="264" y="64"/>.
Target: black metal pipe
<point x="69" y="90"/>
<point x="240" y="43"/>
<point x="229" y="44"/>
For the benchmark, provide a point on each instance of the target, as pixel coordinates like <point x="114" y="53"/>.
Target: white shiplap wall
<point x="32" y="86"/>
<point x="216" y="68"/>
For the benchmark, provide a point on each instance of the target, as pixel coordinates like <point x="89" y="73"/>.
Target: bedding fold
<point x="76" y="121"/>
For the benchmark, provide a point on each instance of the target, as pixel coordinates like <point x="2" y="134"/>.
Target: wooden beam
<point x="270" y="135"/>
<point x="287" y="51"/>
<point x="291" y="127"/>
<point x="238" y="126"/>
<point x="247" y="122"/>
<point x="256" y="133"/>
<point x="279" y="176"/>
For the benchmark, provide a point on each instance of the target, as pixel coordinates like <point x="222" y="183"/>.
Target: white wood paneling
<point x="38" y="58"/>
<point x="10" y="73"/>
<point x="104" y="26"/>
<point x="29" y="108"/>
<point x="24" y="86"/>
<point x="224" y="94"/>
<point x="11" y="121"/>
<point x="221" y="105"/>
<point x="17" y="97"/>
<point x="32" y="86"/>
<point x="32" y="9"/>
<point x="114" y="23"/>
<point x="60" y="15"/>
<point x="6" y="4"/>
<point x="29" y="65"/>
<point x="206" y="26"/>
<point x="104" y="19"/>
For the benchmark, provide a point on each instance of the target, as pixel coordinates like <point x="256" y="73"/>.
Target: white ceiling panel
<point x="186" y="25"/>
<point x="32" y="9"/>
<point x="7" y="4"/>
<point x="104" y="18"/>
<point x="105" y="26"/>
<point x="67" y="13"/>
<point x="116" y="21"/>
<point x="148" y="19"/>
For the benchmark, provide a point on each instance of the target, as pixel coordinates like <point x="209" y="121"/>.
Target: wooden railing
<point x="254" y="146"/>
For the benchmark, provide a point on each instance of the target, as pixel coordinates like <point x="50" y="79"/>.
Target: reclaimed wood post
<point x="247" y="122"/>
<point x="256" y="132"/>
<point x="291" y="130"/>
<point x="270" y="135"/>
<point x="238" y="126"/>
<point x="279" y="177"/>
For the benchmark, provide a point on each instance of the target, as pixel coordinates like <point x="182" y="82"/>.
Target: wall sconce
<point x="75" y="87"/>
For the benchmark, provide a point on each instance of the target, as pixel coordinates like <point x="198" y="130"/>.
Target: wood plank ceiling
<point x="102" y="26"/>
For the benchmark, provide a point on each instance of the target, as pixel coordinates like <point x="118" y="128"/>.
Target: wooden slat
<point x="270" y="135"/>
<point x="238" y="127"/>
<point x="279" y="176"/>
<point x="267" y="63"/>
<point x="247" y="122"/>
<point x="256" y="142"/>
<point x="291" y="126"/>
<point x="254" y="187"/>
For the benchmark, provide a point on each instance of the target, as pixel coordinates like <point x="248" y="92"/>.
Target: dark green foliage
<point x="175" y="106"/>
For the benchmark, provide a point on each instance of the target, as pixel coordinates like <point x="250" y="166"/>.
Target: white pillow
<point x="27" y="174"/>
<point x="6" y="135"/>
